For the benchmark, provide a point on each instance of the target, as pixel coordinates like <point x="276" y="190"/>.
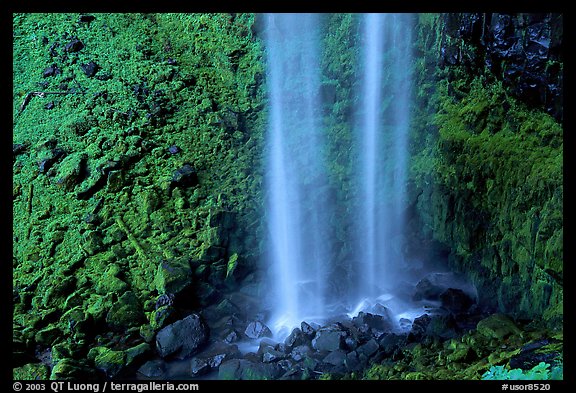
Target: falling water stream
<point x="299" y="228"/>
<point x="295" y="170"/>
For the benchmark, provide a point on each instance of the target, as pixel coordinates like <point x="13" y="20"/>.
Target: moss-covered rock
<point x="31" y="372"/>
<point x="497" y="326"/>
<point x="109" y="361"/>
<point x="70" y="369"/>
<point x="173" y="276"/>
<point x="125" y="313"/>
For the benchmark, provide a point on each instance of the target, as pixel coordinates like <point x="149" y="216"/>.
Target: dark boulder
<point x="51" y="71"/>
<point x="90" y="69"/>
<point x="296" y="338"/>
<point x="442" y="326"/>
<point x="375" y="324"/>
<point x="335" y="358"/>
<point x="419" y="327"/>
<point x="242" y="369"/>
<point x="300" y="353"/>
<point x="434" y="284"/>
<point x="308" y="329"/>
<point x="211" y="358"/>
<point x="535" y="352"/>
<point x="182" y="338"/>
<point x="185" y="176"/>
<point x="329" y="340"/>
<point x="456" y="300"/>
<point x="392" y="343"/>
<point x="257" y="329"/>
<point x="368" y="349"/>
<point x="74" y="45"/>
<point x="352" y="362"/>
<point x="153" y="368"/>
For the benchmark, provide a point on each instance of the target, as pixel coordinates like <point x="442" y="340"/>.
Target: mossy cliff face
<point x="488" y="185"/>
<point x="137" y="144"/>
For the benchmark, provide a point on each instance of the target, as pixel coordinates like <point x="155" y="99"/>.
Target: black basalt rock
<point x="74" y="45"/>
<point x="185" y="176"/>
<point x="182" y="338"/>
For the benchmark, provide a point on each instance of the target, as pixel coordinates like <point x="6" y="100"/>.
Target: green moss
<point x="107" y="360"/>
<point x="31" y="372"/>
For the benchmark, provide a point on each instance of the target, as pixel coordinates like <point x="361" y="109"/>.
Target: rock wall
<point x="488" y="185"/>
<point x="136" y="177"/>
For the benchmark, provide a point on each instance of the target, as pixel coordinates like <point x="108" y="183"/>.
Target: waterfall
<point x="382" y="134"/>
<point x="300" y="220"/>
<point x="295" y="172"/>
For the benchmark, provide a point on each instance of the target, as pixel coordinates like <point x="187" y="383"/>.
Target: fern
<point x="541" y="371"/>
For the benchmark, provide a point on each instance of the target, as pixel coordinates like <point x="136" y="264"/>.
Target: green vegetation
<point x="488" y="177"/>
<point x="100" y="228"/>
<point x="542" y="371"/>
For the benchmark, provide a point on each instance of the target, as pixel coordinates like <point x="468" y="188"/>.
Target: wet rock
<point x="497" y="326"/>
<point x="182" y="338"/>
<point x="199" y="367"/>
<point x="533" y="353"/>
<point x="419" y="327"/>
<point x="257" y="329"/>
<point x="153" y="368"/>
<point x="368" y="349"/>
<point x="431" y="286"/>
<point x="90" y="69"/>
<point x="212" y="358"/>
<point x="125" y="313"/>
<point x="272" y="355"/>
<point x="336" y="358"/>
<point x="166" y="299"/>
<point x="308" y="329"/>
<point x="375" y="324"/>
<point x="300" y="353"/>
<point x="225" y="308"/>
<point x="184" y="177"/>
<point x="74" y="45"/>
<point x="242" y="369"/>
<point x="231" y="337"/>
<point x="405" y="323"/>
<point x="328" y="340"/>
<point x="296" y="338"/>
<point x="352" y="362"/>
<point x="456" y="300"/>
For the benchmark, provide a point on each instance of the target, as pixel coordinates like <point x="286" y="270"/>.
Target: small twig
<point x="30" y="195"/>
<point x="42" y="94"/>
<point x="132" y="239"/>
